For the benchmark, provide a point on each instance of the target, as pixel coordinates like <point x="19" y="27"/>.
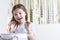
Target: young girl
<point x="19" y="23"/>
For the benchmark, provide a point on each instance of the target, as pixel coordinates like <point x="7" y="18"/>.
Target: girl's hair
<point x="20" y="6"/>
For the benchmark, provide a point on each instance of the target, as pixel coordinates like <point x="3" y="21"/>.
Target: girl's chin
<point x="20" y="21"/>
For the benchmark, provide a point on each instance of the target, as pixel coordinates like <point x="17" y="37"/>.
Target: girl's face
<point x="19" y="15"/>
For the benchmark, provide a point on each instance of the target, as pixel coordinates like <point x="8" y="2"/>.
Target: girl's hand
<point x="11" y="26"/>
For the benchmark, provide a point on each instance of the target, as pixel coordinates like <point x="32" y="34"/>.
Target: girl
<point x="19" y="23"/>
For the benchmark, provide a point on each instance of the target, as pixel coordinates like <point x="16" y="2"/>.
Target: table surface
<point x="9" y="36"/>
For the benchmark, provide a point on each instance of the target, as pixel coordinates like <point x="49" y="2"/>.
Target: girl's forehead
<point x="18" y="10"/>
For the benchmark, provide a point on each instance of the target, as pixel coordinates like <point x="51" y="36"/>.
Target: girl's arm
<point x="31" y="32"/>
<point x="31" y="36"/>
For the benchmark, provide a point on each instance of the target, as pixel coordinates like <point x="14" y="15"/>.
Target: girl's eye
<point x="19" y="13"/>
<point x="15" y="14"/>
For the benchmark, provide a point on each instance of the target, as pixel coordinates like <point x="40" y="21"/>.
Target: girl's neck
<point x="22" y="23"/>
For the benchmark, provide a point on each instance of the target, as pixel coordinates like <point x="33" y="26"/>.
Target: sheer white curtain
<point x="49" y="11"/>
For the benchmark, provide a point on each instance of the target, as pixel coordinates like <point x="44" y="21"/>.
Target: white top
<point x="20" y="29"/>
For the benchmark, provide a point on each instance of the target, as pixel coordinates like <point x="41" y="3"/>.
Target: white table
<point x="19" y="36"/>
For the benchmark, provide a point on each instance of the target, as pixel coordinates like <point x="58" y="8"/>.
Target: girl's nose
<point x="19" y="15"/>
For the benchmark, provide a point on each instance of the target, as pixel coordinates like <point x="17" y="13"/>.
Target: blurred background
<point x="44" y="13"/>
<point x="39" y="11"/>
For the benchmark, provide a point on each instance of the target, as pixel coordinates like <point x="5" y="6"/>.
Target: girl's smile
<point x="20" y="18"/>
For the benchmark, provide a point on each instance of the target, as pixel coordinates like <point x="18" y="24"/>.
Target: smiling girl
<point x="19" y="23"/>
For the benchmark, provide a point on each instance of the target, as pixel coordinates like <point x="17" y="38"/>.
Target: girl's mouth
<point x="20" y="18"/>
